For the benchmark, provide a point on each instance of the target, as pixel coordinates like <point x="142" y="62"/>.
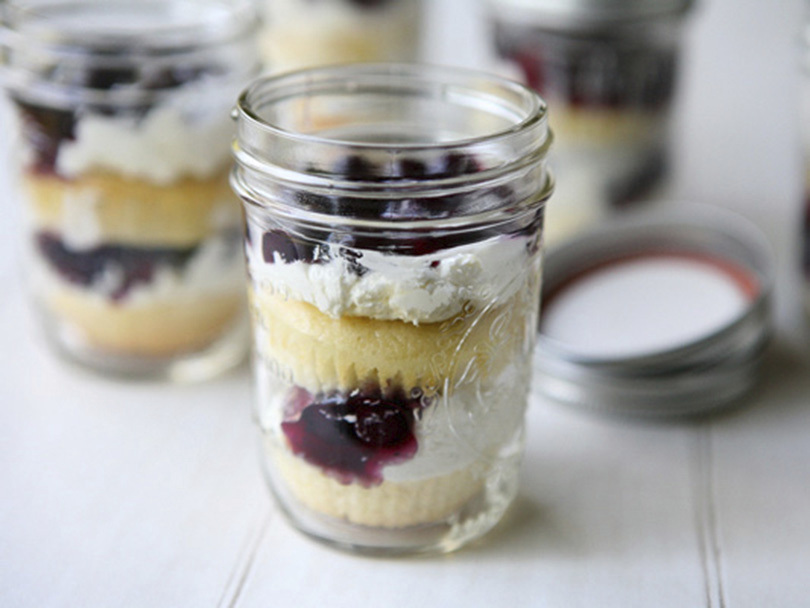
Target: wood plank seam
<point x="706" y="520"/>
<point x="244" y="564"/>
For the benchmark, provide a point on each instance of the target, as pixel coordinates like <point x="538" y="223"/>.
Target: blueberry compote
<point x="44" y="129"/>
<point x="597" y="70"/>
<point x="316" y="248"/>
<point x="352" y="436"/>
<point x="120" y="268"/>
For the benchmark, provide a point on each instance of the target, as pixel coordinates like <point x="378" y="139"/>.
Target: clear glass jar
<point x="608" y="71"/>
<point x="121" y="162"/>
<point x="308" y="33"/>
<point x="394" y="248"/>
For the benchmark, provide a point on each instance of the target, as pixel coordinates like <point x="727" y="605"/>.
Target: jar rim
<point x="64" y="27"/>
<point x="295" y="130"/>
<point x="572" y="13"/>
<point x="47" y="59"/>
<point x="349" y="77"/>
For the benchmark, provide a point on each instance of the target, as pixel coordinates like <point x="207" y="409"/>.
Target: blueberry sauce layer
<point x="352" y="437"/>
<point x="806" y="234"/>
<point x="315" y="247"/>
<point x="119" y="268"/>
<point x="44" y="129"/>
<point x="603" y="72"/>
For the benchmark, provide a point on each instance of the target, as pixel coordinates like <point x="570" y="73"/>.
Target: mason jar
<point x="120" y="161"/>
<point x="394" y="228"/>
<point x="608" y="70"/>
<point x="308" y="33"/>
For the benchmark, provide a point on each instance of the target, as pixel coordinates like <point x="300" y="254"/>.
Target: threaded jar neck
<point x="388" y="134"/>
<point x="123" y="51"/>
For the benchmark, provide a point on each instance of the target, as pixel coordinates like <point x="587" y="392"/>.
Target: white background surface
<point x="146" y="495"/>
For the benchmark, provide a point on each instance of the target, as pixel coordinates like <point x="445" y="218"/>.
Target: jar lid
<point x="666" y="313"/>
<point x="562" y="12"/>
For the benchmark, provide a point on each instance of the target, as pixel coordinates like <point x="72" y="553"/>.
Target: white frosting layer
<point x="449" y="439"/>
<point x="415" y="289"/>
<point x="161" y="147"/>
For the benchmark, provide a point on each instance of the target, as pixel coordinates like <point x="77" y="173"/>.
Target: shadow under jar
<point x="608" y="70"/>
<point x="121" y="162"/>
<point x="394" y="249"/>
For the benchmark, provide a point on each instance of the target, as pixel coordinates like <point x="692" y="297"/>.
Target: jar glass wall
<point x="394" y="248"/>
<point x="308" y="33"/>
<point x="608" y="71"/>
<point x="121" y="161"/>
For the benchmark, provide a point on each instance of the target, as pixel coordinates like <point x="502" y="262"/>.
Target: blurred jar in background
<point x="804" y="117"/>
<point x="307" y="33"/>
<point x="133" y="237"/>
<point x="607" y="69"/>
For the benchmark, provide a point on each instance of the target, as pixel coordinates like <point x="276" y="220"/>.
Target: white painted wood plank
<point x="119" y="494"/>
<point x="761" y="493"/>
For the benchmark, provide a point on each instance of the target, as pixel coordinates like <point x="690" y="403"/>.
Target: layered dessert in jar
<point x="134" y="240"/>
<point x="394" y="299"/>
<point x="608" y="71"/>
<point x="306" y="33"/>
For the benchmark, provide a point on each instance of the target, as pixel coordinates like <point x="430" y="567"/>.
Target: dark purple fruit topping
<point x="44" y="129"/>
<point x="425" y="241"/>
<point x="352" y="437"/>
<point x="106" y="79"/>
<point x="806" y="235"/>
<point x="288" y="248"/>
<point x="314" y="202"/>
<point x="121" y="267"/>
<point x="454" y="164"/>
<point x="411" y="168"/>
<point x="370" y="4"/>
<point x="602" y="69"/>
<point x="356" y="167"/>
<point x="177" y="76"/>
<point x="352" y="258"/>
<point x="381" y="424"/>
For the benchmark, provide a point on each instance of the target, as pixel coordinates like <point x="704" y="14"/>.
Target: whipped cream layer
<point x="160" y="147"/>
<point x="449" y="439"/>
<point x="415" y="289"/>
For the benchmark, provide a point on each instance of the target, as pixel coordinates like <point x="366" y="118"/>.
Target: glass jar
<point x="308" y="33"/>
<point x="394" y="221"/>
<point x="121" y="162"/>
<point x="608" y="70"/>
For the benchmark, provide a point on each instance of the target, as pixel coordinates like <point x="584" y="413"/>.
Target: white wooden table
<point x="146" y="495"/>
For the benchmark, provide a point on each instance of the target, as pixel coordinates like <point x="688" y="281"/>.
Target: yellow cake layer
<point x="388" y="505"/>
<point x="603" y="125"/>
<point x="131" y="211"/>
<point x="320" y="352"/>
<point x="163" y="328"/>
